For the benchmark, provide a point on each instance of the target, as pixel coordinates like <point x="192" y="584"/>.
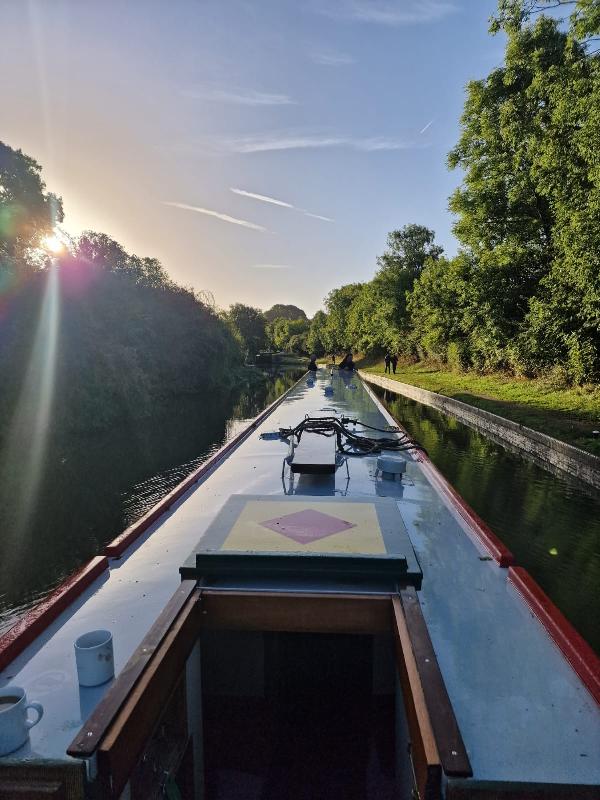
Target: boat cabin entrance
<point x="244" y="694"/>
<point x="298" y="715"/>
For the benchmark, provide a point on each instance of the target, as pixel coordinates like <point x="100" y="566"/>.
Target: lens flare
<point x="54" y="243"/>
<point x="22" y="468"/>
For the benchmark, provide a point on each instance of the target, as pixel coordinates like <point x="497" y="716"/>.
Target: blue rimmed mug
<point x="14" y="720"/>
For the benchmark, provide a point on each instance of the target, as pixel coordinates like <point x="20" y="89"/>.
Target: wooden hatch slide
<point x="119" y="729"/>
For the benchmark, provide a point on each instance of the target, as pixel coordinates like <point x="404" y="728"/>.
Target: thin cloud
<point x="217" y="214"/>
<point x="272" y="266"/>
<point x="317" y="216"/>
<point x="240" y="97"/>
<point x="329" y="58"/>
<point x="388" y="12"/>
<point x="429" y="124"/>
<point x="265" y="199"/>
<point x="263" y="144"/>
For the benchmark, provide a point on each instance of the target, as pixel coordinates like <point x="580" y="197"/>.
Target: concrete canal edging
<point x="546" y="450"/>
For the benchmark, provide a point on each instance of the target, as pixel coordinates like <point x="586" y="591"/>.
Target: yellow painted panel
<point x="248" y="534"/>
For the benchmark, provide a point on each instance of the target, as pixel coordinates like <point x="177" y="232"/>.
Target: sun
<point x="53" y="243"/>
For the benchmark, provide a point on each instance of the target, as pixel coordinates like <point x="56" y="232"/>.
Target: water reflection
<point x="93" y="487"/>
<point x="552" y="525"/>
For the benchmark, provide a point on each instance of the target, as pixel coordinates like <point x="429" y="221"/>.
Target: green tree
<point x="441" y="309"/>
<point x="249" y="326"/>
<point x="408" y="250"/>
<point x="289" y="335"/>
<point x="338" y="303"/>
<point x="27" y="211"/>
<point x="316" y="340"/>
<point x="528" y="207"/>
<point x="284" y="311"/>
<point x="100" y="251"/>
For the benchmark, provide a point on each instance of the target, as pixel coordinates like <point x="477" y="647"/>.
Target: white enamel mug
<point x="94" y="658"/>
<point x="14" y="722"/>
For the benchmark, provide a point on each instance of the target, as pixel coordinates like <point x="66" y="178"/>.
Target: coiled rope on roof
<point x="352" y="442"/>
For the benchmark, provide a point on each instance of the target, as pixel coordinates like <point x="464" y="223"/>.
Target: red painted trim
<point x="29" y="627"/>
<point x="574" y="648"/>
<point x="495" y="547"/>
<point x="118" y="546"/>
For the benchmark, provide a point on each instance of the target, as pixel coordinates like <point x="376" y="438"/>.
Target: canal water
<point x="552" y="525"/>
<point x="93" y="487"/>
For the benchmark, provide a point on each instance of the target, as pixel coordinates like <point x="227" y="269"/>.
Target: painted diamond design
<point x="307" y="526"/>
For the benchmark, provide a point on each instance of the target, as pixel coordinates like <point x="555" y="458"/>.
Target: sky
<point x="261" y="149"/>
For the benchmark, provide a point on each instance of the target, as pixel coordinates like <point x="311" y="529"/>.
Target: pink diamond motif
<point x="307" y="526"/>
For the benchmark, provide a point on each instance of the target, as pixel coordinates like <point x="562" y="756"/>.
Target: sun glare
<point x="54" y="243"/>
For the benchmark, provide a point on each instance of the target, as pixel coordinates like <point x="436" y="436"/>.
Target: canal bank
<point x="549" y="452"/>
<point x="550" y="524"/>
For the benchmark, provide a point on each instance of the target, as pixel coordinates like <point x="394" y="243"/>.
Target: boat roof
<point x="523" y="712"/>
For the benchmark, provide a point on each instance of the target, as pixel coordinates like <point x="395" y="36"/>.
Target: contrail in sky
<point x="429" y="124"/>
<point x="262" y="197"/>
<point x="316" y="216"/>
<point x="217" y="214"/>
<point x="241" y="98"/>
<point x="265" y="199"/>
<point x="273" y="142"/>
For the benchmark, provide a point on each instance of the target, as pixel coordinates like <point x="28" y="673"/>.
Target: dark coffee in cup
<point x="8" y="701"/>
<point x="15" y="722"/>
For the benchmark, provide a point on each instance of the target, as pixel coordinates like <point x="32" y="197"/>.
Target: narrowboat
<point x="313" y="613"/>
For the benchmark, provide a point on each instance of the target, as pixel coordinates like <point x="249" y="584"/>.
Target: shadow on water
<point x="551" y="524"/>
<point x="95" y="486"/>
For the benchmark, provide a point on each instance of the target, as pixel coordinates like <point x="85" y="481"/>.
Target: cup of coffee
<point x="94" y="658"/>
<point x="14" y="722"/>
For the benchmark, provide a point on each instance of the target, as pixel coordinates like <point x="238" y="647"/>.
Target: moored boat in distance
<point x="313" y="613"/>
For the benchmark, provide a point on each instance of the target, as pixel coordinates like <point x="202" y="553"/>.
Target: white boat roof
<point x="523" y="713"/>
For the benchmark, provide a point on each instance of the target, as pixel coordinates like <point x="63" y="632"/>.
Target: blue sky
<point x="147" y="115"/>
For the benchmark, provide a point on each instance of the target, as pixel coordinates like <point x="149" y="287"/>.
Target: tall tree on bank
<point x="316" y="340"/>
<point x="249" y="327"/>
<point x="408" y="250"/>
<point x="528" y="207"/>
<point x="27" y="211"/>
<point x="338" y="304"/>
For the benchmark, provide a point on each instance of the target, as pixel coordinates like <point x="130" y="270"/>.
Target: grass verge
<point x="569" y="414"/>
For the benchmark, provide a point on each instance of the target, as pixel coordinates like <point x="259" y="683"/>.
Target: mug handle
<point x="40" y="711"/>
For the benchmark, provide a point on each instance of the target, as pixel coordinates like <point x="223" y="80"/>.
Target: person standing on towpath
<point x="394" y="360"/>
<point x="387" y="360"/>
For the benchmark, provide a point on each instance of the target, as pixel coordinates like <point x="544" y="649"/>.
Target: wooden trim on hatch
<point x="295" y="612"/>
<point x="123" y="745"/>
<point x="124" y="720"/>
<point x="452" y="750"/>
<point x="424" y="752"/>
